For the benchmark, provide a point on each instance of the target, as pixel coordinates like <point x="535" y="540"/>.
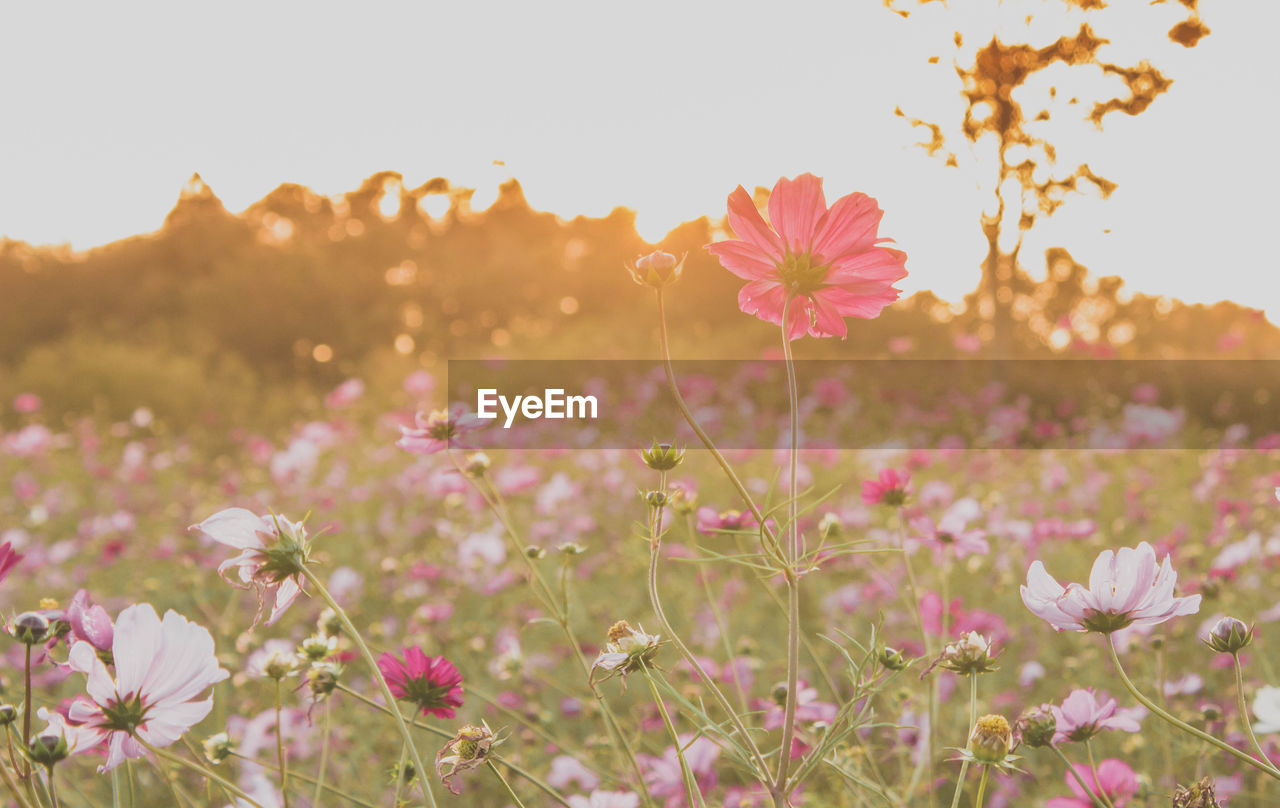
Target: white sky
<point x="662" y="107"/>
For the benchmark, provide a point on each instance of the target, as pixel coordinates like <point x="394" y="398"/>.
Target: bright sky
<point x="661" y="107"/>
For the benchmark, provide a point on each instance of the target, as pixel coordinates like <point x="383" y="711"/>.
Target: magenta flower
<point x="891" y="487"/>
<point x="1126" y="587"/>
<point x="160" y="669"/>
<point x="1084" y="714"/>
<point x="438" y="430"/>
<point x="273" y="554"/>
<point x="9" y="559"/>
<point x="432" y="683"/>
<point x="1113" y="778"/>
<point x="827" y="262"/>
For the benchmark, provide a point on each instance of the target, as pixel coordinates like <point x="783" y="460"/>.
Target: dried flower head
<point x="467" y="750"/>
<point x="991" y="740"/>
<point x="969" y="655"/>
<point x="1200" y="795"/>
<point x="1036" y="726"/>
<point x="627" y="651"/>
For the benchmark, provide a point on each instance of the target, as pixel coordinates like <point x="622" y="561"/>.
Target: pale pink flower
<point x="345" y="394"/>
<point x="665" y="779"/>
<point x="90" y="623"/>
<point x="273" y="554"/>
<point x="160" y="669"/>
<point x="1085" y="713"/>
<point x="1126" y="587"/>
<point x="26" y="403"/>
<point x="826" y="261"/>
<point x="950" y="534"/>
<point x="438" y="430"/>
<point x="1113" y="778"/>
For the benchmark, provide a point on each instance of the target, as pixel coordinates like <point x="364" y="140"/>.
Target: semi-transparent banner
<point x="864" y="404"/>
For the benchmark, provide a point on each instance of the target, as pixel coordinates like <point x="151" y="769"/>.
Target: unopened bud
<point x="657" y="269"/>
<point x="1229" y="635"/>
<point x="662" y="456"/>
<point x="30" y="628"/>
<point x="1037" y="726"/>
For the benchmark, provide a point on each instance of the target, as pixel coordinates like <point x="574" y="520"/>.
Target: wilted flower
<point x="160" y="668"/>
<point x="891" y="487"/>
<point x="438" y="430"/>
<point x="432" y="683"/>
<point x="1200" y="795"/>
<point x="1084" y="714"/>
<point x="477" y="464"/>
<point x="323" y="678"/>
<point x="218" y="747"/>
<point x="467" y="750"/>
<point x="1037" y="726"/>
<point x="662" y="456"/>
<point x="627" y="651"/>
<point x="317" y="647"/>
<point x="826" y="262"/>
<point x="657" y="269"/>
<point x="276" y="659"/>
<point x="969" y="655"/>
<point x="1126" y="587"/>
<point x="273" y="555"/>
<point x="1229" y="636"/>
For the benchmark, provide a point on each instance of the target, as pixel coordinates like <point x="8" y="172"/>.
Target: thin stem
<point x="982" y="787"/>
<point x="404" y="756"/>
<point x="548" y="790"/>
<point x="793" y="557"/>
<point x="1093" y="769"/>
<point x="337" y="792"/>
<point x="973" y="719"/>
<point x="13" y="787"/>
<point x="1071" y="770"/>
<point x="376" y="672"/>
<point x="1182" y="725"/>
<point x="690" y="785"/>
<point x="1244" y="712"/>
<point x="200" y="770"/>
<point x="26" y="711"/>
<point x="505" y="784"/>
<point x="722" y="626"/>
<point x="913" y="591"/>
<point x="280" y="755"/>
<point x="324" y="756"/>
<point x="655" y="547"/>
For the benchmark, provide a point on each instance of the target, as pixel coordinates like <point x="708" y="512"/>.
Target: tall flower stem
<point x="1093" y="768"/>
<point x="973" y="719"/>
<point x="53" y="790"/>
<point x="793" y="557"/>
<point x="1243" y="706"/>
<point x="325" y="730"/>
<point x="505" y="784"/>
<point x="337" y="792"/>
<point x="26" y="711"/>
<point x="655" y="552"/>
<point x="982" y="787"/>
<point x="1182" y="725"/>
<point x="493" y="499"/>
<point x="376" y="672"/>
<point x="690" y="784"/>
<point x="913" y="591"/>
<point x="13" y="787"/>
<point x="280" y="756"/>
<point x="200" y="770"/>
<point x="1071" y="770"/>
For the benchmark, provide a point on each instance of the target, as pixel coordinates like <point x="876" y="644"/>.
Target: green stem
<point x="973" y="719"/>
<point x="982" y="787"/>
<point x="913" y="591"/>
<point x="280" y="756"/>
<point x="1071" y="770"/>
<point x="200" y="770"/>
<point x="1182" y="725"/>
<point x="337" y="792"/>
<point x="541" y="785"/>
<point x="1244" y="713"/>
<point x="324" y="756"/>
<point x="690" y="784"/>
<point x="10" y="784"/>
<point x="26" y="713"/>
<point x="505" y="784"/>
<point x="792" y="576"/>
<point x="1093" y="768"/>
<point x="376" y="672"/>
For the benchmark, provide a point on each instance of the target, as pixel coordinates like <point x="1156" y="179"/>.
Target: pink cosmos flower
<point x="1113" y="778"/>
<point x="90" y="623"/>
<point x="26" y="403"/>
<point x="9" y="559"/>
<point x="432" y="683"/>
<point x="950" y="535"/>
<point x="666" y="781"/>
<point x="1126" y="587"/>
<point x="891" y="487"/>
<point x="439" y="430"/>
<point x="1085" y="713"/>
<point x="711" y="522"/>
<point x="160" y="669"/>
<point x="273" y="553"/>
<point x="827" y="262"/>
<point x="345" y="394"/>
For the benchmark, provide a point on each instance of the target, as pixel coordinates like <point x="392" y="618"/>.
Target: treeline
<point x="301" y="290"/>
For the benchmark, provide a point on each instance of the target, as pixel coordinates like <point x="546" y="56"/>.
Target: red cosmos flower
<point x="432" y="683"/>
<point x="825" y="261"/>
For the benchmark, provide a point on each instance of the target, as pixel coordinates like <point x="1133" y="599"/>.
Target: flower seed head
<point x="991" y="739"/>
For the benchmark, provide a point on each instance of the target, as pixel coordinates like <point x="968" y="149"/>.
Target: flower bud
<point x="1036" y="726"/>
<point x="571" y="548"/>
<point x="830" y="526"/>
<point x="535" y="552"/>
<point x="891" y="658"/>
<point x="656" y="499"/>
<point x="779" y="694"/>
<point x="991" y="739"/>
<point x="477" y="464"/>
<point x="47" y="749"/>
<point x="662" y="456"/>
<point x="218" y="748"/>
<point x="8" y="714"/>
<point x="323" y="678"/>
<point x="1210" y="712"/>
<point x="30" y="628"/>
<point x="329" y="623"/>
<point x="279" y="664"/>
<point x="657" y="269"/>
<point x="971" y="654"/>
<point x="317" y="647"/>
<point x="1229" y="635"/>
